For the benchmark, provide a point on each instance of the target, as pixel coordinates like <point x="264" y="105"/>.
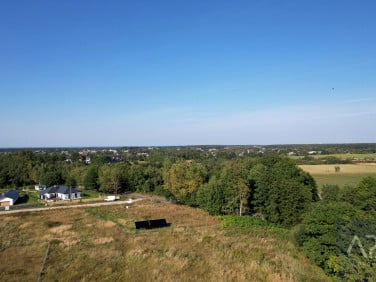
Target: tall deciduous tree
<point x="281" y="191"/>
<point x="362" y="195"/>
<point x="184" y="178"/>
<point x="211" y="197"/>
<point x="112" y="178"/>
<point x="235" y="180"/>
<point x="91" y="178"/>
<point x="50" y="178"/>
<point x="317" y="236"/>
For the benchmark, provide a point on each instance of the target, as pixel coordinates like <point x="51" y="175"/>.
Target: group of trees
<point x="329" y="227"/>
<point x="271" y="185"/>
<point x="24" y="168"/>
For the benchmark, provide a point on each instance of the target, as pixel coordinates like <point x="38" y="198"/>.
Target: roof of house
<point x="13" y="194"/>
<point x="61" y="189"/>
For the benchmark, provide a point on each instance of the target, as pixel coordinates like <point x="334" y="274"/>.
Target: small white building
<point x="40" y="187"/>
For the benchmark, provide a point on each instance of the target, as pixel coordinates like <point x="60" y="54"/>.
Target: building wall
<point x="47" y="196"/>
<point x="6" y="202"/>
<point x="66" y="196"/>
<point x="61" y="196"/>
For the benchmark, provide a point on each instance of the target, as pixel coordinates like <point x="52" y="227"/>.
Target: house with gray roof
<point x="9" y="198"/>
<point x="60" y="192"/>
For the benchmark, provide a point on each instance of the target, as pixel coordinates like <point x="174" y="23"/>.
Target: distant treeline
<point x="300" y="149"/>
<point x="326" y="149"/>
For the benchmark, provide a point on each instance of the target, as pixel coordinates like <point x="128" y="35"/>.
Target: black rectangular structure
<point x="157" y="223"/>
<point x="150" y="224"/>
<point x="142" y="224"/>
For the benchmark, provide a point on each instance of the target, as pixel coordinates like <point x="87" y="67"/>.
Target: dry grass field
<point x="102" y="244"/>
<point x="348" y="173"/>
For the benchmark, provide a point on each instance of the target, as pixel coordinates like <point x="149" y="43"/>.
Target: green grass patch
<point x="371" y="157"/>
<point x="27" y="198"/>
<point x="240" y="221"/>
<point x="356" y="157"/>
<point x="235" y="224"/>
<point x="108" y="216"/>
<point x="339" y="179"/>
<point x="349" y="174"/>
<point x="90" y="194"/>
<point x="33" y="197"/>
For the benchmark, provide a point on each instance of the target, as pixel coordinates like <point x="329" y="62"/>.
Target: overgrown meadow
<point x="102" y="244"/>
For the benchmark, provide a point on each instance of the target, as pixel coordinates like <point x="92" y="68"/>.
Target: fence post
<point x="44" y="261"/>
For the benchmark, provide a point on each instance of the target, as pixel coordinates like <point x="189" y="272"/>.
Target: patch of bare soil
<point x="103" y="240"/>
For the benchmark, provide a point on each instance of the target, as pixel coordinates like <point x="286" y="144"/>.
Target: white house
<point x="9" y="198"/>
<point x="60" y="192"/>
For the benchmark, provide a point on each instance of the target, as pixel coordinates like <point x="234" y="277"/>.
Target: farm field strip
<point x="344" y="156"/>
<point x="344" y="168"/>
<point x="347" y="174"/>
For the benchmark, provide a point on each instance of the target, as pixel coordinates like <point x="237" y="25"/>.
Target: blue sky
<point x="134" y="73"/>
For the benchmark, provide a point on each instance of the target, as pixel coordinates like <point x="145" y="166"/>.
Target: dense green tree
<point x="112" y="178"/>
<point x="352" y="268"/>
<point x="211" y="197"/>
<point x="144" y="178"/>
<point x="78" y="173"/>
<point x="70" y="181"/>
<point x="364" y="196"/>
<point x="137" y="178"/>
<point x="317" y="234"/>
<point x="91" y="178"/>
<point x="99" y="159"/>
<point x="235" y="182"/>
<point x="345" y="217"/>
<point x="4" y="171"/>
<point x="184" y="178"/>
<point x="280" y="190"/>
<point x="53" y="177"/>
<point x="330" y="193"/>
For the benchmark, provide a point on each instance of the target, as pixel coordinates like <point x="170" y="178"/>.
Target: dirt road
<point x="99" y="204"/>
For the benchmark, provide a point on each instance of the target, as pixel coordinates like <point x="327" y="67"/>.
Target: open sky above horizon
<point x="173" y="72"/>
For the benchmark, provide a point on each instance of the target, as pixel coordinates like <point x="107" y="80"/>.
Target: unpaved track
<point x="73" y="206"/>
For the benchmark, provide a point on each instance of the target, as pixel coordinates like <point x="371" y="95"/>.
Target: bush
<point x="240" y="221"/>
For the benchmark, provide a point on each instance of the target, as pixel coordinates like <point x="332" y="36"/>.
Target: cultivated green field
<point x="348" y="173"/>
<point x="371" y="157"/>
<point x="102" y="244"/>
